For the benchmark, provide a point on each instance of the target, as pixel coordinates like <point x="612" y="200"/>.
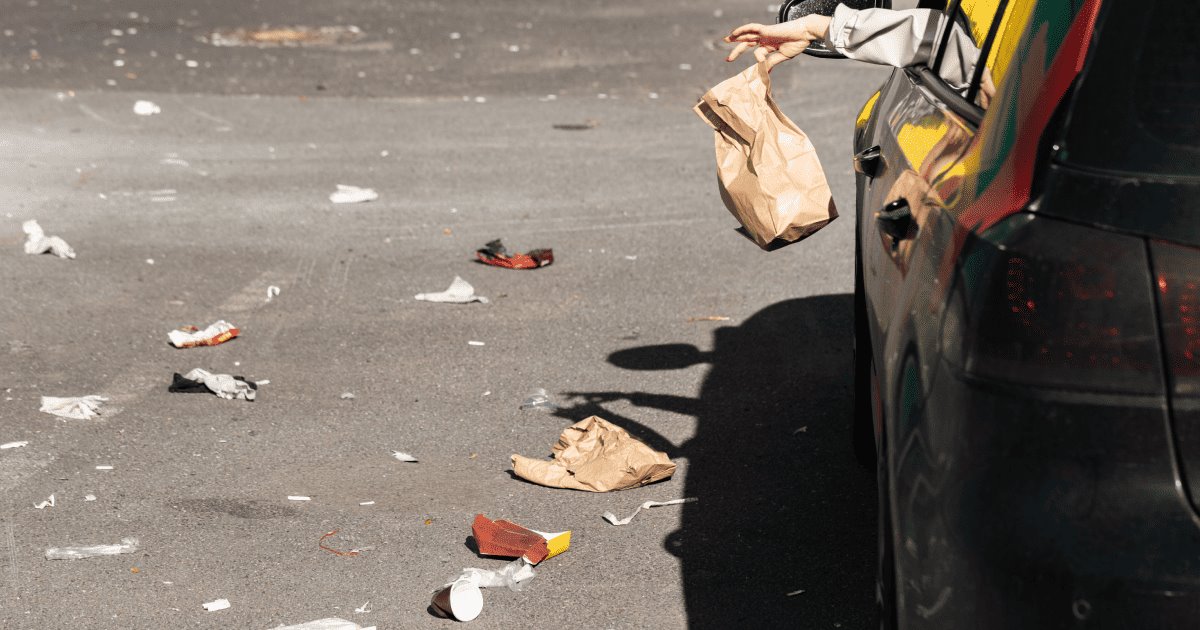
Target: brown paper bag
<point x="768" y="171"/>
<point x="598" y="456"/>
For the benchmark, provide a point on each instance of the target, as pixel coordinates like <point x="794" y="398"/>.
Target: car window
<point x="1004" y="22"/>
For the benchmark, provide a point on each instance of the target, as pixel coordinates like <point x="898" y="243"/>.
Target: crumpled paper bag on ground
<point x="223" y="385"/>
<point x="36" y="241"/>
<point x="768" y="171"/>
<point x="597" y="456"/>
<point x="77" y="408"/>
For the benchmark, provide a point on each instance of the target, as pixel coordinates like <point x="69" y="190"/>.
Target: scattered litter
<point x="287" y="36"/>
<point x="353" y="194"/>
<point x="127" y="545"/>
<point x="223" y="385"/>
<point x="8" y="445"/>
<point x="631" y="258"/>
<point x="146" y="108"/>
<point x="803" y="429"/>
<point x="612" y="518"/>
<point x="476" y="343"/>
<point x="494" y="253"/>
<point x="213" y="606"/>
<point x="347" y="396"/>
<point x="90" y="497"/>
<point x="337" y="552"/>
<point x="295" y="497"/>
<point x="709" y="318"/>
<point x="597" y="456"/>
<point x="36" y="241"/>
<point x="191" y="336"/>
<point x="366" y="503"/>
<point x="590" y="123"/>
<point x="459" y="292"/>
<point x="403" y="457"/>
<point x="149" y="261"/>
<point x="104" y="467"/>
<point x="272" y="291"/>
<point x="509" y="540"/>
<point x="539" y="400"/>
<point x="461" y="599"/>
<point x="363" y="608"/>
<point x="794" y="593"/>
<point x="80" y="408"/>
<point x="45" y="504"/>
<point x="331" y="623"/>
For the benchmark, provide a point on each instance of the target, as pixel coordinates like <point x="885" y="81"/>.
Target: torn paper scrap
<point x="45" y="504"/>
<point x="353" y="194"/>
<point x="90" y="497"/>
<point x="597" y="456"/>
<point x="539" y="400"/>
<point x="297" y="497"/>
<point x="460" y="292"/>
<point x="8" y="445"/>
<point x="127" y="545"/>
<point x="332" y="623"/>
<point x="77" y="408"/>
<point x="509" y="540"/>
<point x="363" y="608"/>
<point x="36" y="241"/>
<point x="272" y="291"/>
<point x="146" y="108"/>
<point x="223" y="385"/>
<point x="612" y="518"/>
<point x="191" y="336"/>
<point x="215" y="605"/>
<point x="103" y="467"/>
<point x="403" y="457"/>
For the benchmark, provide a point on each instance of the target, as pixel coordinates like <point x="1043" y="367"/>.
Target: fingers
<point x="742" y="32"/>
<point x="738" y="50"/>
<point x="762" y="54"/>
<point x="774" y="59"/>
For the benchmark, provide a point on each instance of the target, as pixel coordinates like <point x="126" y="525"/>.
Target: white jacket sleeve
<point x="901" y="39"/>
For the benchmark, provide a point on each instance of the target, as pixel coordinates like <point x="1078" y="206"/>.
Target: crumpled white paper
<point x="36" y="241"/>
<point x="332" y="623"/>
<point x="146" y="108"/>
<point x="223" y="385"/>
<point x="127" y="545"/>
<point x="404" y="457"/>
<point x="612" y="518"/>
<point x="18" y="444"/>
<point x="41" y="505"/>
<point x="460" y="292"/>
<point x="185" y="339"/>
<point x="353" y="194"/>
<point x="80" y="408"/>
<point x="514" y="575"/>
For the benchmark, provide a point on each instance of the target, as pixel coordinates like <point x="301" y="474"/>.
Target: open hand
<point x="777" y="43"/>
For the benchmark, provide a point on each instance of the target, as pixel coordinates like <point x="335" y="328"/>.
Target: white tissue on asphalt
<point x="459" y="292"/>
<point x="127" y="545"/>
<point x="514" y="575"/>
<point x="36" y="241"/>
<point x="80" y="408"/>
<point x="353" y="194"/>
<point x="223" y="385"/>
<point x="146" y="108"/>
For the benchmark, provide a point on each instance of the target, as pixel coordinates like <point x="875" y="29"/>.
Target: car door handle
<point x="868" y="161"/>
<point x="896" y="221"/>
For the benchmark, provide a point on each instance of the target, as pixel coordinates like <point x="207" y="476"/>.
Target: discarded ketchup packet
<point x="495" y="254"/>
<point x="508" y="540"/>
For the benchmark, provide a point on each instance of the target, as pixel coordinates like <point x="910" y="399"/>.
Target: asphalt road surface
<point x="448" y="110"/>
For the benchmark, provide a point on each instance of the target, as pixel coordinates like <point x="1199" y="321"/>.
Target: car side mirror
<point x="796" y="9"/>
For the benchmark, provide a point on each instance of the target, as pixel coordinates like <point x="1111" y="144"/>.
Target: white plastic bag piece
<point x="146" y="108"/>
<point x="612" y="518"/>
<point x="127" y="545"/>
<point x="185" y="339"/>
<point x="45" y="504"/>
<point x="514" y="575"/>
<point x="403" y="457"/>
<point x="539" y="400"/>
<point x="223" y="385"/>
<point x="353" y="194"/>
<point x="332" y="623"/>
<point x="459" y="292"/>
<point x="8" y="445"/>
<point x="215" y="605"/>
<point x="79" y="408"/>
<point x="36" y="241"/>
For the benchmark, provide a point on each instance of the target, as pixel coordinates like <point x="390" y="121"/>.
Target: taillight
<point x="1052" y="304"/>
<point x="1177" y="279"/>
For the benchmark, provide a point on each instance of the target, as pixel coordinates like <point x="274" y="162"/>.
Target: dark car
<point x="1028" y="321"/>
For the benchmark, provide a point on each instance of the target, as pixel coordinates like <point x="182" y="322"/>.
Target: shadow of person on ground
<point x="783" y="506"/>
